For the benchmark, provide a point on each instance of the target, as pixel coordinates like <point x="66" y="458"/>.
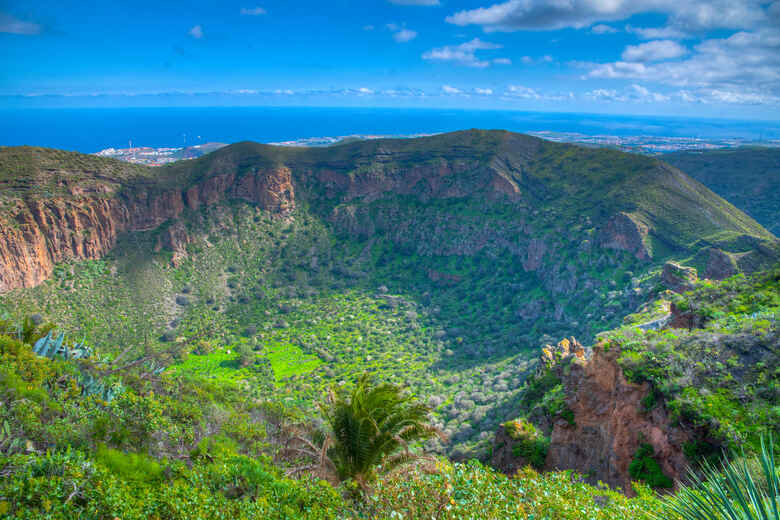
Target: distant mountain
<point x="747" y="177"/>
<point x="442" y="262"/>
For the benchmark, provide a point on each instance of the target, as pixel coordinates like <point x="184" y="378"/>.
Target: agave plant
<point x="733" y="492"/>
<point x="93" y="386"/>
<point x="49" y="347"/>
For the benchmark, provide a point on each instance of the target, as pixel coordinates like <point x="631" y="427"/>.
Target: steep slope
<point x="747" y="177"/>
<point x="440" y="262"/>
<point x="60" y="205"/>
<point x="70" y="206"/>
<point x="657" y="395"/>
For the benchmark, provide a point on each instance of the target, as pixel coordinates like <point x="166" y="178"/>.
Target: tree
<point x="372" y="428"/>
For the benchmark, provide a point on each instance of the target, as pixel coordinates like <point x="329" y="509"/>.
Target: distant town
<point x="643" y="144"/>
<point x="159" y="156"/>
<point x="653" y="145"/>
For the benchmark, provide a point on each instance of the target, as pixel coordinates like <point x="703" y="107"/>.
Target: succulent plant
<point x="90" y="385"/>
<point x="51" y="348"/>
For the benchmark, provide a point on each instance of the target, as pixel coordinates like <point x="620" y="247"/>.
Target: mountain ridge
<point x="642" y="207"/>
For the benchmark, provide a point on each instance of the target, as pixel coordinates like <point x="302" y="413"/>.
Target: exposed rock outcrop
<point x="679" y="278"/>
<point x="720" y="265"/>
<point x="604" y="422"/>
<point x="174" y="238"/>
<point x="35" y="234"/>
<point x="609" y="424"/>
<point x="626" y="233"/>
<point x="684" y="319"/>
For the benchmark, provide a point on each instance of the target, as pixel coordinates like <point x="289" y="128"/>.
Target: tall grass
<point x="738" y="490"/>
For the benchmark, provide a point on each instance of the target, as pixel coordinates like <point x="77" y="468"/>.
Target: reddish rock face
<point x="175" y="238"/>
<point x="610" y="424"/>
<point x="36" y="234"/>
<point x="720" y="265"/>
<point x="679" y="278"/>
<point x="626" y="233"/>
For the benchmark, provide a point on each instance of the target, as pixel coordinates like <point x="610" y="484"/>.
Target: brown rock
<point x="679" y="319"/>
<point x="679" y="278"/>
<point x="175" y="238"/>
<point x="36" y="234"/>
<point x="610" y="424"/>
<point x="627" y="233"/>
<point x="720" y="265"/>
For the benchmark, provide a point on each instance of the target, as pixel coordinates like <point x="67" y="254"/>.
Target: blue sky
<point x="683" y="57"/>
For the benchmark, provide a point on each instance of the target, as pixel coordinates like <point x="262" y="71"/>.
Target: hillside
<point x="749" y="178"/>
<point x="440" y="262"/>
<point x="648" y="401"/>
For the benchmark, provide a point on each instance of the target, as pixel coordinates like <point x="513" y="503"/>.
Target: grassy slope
<point x="748" y="177"/>
<point x="721" y="379"/>
<point x="28" y="170"/>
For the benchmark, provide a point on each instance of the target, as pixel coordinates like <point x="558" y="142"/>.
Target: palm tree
<point x="736" y="491"/>
<point x="371" y="429"/>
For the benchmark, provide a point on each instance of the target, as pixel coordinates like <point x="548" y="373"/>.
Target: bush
<point x="529" y="443"/>
<point x="644" y="467"/>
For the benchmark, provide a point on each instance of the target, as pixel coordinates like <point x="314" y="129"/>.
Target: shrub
<point x="529" y="443"/>
<point x="644" y="467"/>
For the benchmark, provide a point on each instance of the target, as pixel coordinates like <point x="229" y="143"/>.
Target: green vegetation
<point x="193" y="390"/>
<point x="43" y="172"/>
<point x="739" y="490"/>
<point x="174" y="446"/>
<point x="373" y="427"/>
<point x="720" y="378"/>
<point x="529" y="443"/>
<point x="746" y="177"/>
<point x="645" y="467"/>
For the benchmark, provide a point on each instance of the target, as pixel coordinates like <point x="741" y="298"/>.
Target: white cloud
<point x="657" y="33"/>
<point x="653" y="51"/>
<point x="602" y="29"/>
<point x="404" y="35"/>
<point x="502" y="61"/>
<point x="483" y="91"/>
<point x="12" y="25"/>
<point x="253" y="11"/>
<point x="414" y="2"/>
<point x="643" y="94"/>
<point x="463" y="54"/>
<point x="634" y="94"/>
<point x="451" y="90"/>
<point x="527" y="59"/>
<point x="603" y="94"/>
<point x="743" y="68"/>
<point x="196" y="32"/>
<point x="520" y="91"/>
<point x="513" y="15"/>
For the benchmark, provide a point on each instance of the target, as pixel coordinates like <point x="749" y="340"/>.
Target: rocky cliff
<point x="454" y="194"/>
<point x="83" y="218"/>
<point x="684" y="378"/>
<point x="601" y="424"/>
<point x="609" y="423"/>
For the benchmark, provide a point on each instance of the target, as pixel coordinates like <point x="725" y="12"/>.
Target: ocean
<point x="89" y="130"/>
